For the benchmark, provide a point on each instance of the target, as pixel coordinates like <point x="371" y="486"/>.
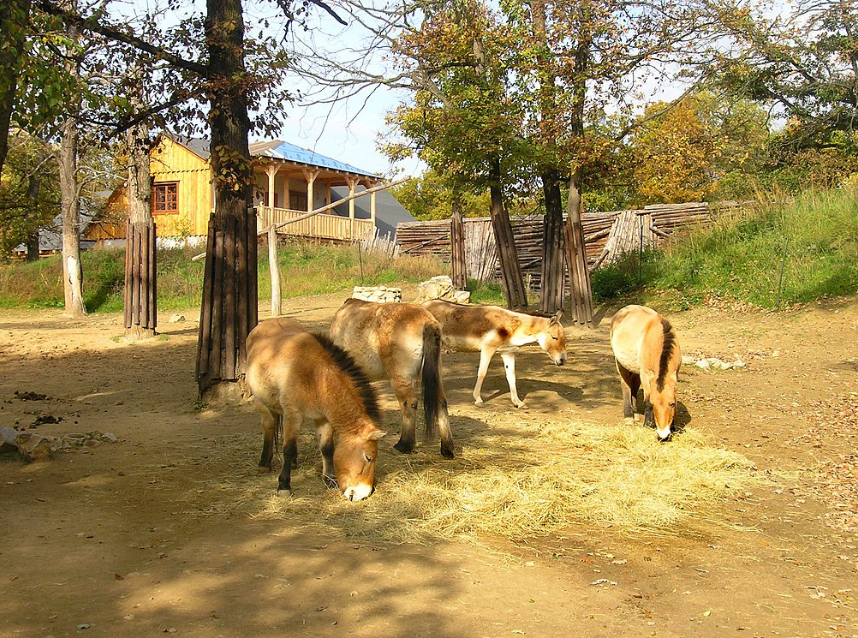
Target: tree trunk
<point x="33" y="188"/>
<point x="581" y="294"/>
<point x="70" y="203"/>
<point x="141" y="281"/>
<point x="513" y="283"/>
<point x="553" y="273"/>
<point x="14" y="17"/>
<point x="230" y="297"/>
<point x="33" y="246"/>
<point x="457" y="245"/>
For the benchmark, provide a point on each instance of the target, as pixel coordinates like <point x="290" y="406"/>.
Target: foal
<point x="490" y="329"/>
<point x="647" y="353"/>
<point x="294" y="375"/>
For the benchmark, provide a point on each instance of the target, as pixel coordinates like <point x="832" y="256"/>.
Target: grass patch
<point x="511" y="479"/>
<point x="306" y="269"/>
<point x="814" y="238"/>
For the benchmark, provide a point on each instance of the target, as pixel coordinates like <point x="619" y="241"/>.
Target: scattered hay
<point x="519" y="478"/>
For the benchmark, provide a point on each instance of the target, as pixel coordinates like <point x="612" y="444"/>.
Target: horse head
<point x="552" y="339"/>
<point x="661" y="408"/>
<point x="354" y="461"/>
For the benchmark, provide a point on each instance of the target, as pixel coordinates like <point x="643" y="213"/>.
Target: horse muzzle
<point x="358" y="492"/>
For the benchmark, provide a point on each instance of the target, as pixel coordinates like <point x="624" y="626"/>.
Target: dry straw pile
<point x="521" y="476"/>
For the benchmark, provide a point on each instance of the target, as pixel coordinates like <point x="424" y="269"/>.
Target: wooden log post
<point x="576" y="257"/>
<point x="229" y="305"/>
<point x="458" y="266"/>
<point x="553" y="277"/>
<point x="513" y="282"/>
<point x="274" y="269"/>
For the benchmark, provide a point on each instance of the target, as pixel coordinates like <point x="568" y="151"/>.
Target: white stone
<point x="177" y="318"/>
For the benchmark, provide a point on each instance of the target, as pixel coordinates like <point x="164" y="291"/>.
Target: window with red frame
<point x="165" y="199"/>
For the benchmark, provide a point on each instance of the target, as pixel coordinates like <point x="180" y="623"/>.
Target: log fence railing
<point x="607" y="236"/>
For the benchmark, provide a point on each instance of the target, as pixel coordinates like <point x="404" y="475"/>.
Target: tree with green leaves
<point x="463" y="121"/>
<point x="29" y="194"/>
<point x="803" y="61"/>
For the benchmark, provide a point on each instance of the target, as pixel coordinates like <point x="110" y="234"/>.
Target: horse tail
<point x="434" y="401"/>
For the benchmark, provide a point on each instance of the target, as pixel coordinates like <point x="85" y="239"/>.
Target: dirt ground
<point x="128" y="538"/>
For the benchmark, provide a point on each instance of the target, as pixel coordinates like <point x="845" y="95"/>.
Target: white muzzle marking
<point x="663" y="434"/>
<point x="358" y="492"/>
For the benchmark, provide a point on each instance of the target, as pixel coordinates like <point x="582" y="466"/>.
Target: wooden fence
<point x="321" y="225"/>
<point x="607" y="236"/>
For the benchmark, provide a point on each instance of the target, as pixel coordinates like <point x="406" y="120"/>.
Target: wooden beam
<point x="271" y="170"/>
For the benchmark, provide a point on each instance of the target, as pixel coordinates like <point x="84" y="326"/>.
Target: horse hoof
<point x="478" y="403"/>
<point x="263" y="469"/>
<point x="284" y="493"/>
<point x="330" y="482"/>
<point x="447" y="454"/>
<point x="404" y="447"/>
<point x="521" y="406"/>
<point x="629" y="420"/>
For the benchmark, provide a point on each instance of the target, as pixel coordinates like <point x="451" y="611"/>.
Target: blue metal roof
<point x="287" y="151"/>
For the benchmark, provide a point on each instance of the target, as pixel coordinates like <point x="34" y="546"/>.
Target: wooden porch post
<point x="328" y="193"/>
<point x="352" y="185"/>
<point x="372" y="209"/>
<point x="311" y="176"/>
<point x="273" y="262"/>
<point x="271" y="170"/>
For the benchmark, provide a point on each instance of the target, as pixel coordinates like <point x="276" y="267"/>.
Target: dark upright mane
<point x="666" y="351"/>
<point x="344" y="362"/>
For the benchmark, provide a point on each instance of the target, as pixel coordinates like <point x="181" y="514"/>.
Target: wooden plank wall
<point x="618" y="231"/>
<point x="172" y="162"/>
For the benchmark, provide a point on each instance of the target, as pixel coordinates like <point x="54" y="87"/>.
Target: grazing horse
<point x="490" y="329"/>
<point x="647" y="352"/>
<point x="294" y="375"/>
<point x="401" y="342"/>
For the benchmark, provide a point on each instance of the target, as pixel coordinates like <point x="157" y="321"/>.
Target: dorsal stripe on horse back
<point x="666" y="352"/>
<point x="346" y="363"/>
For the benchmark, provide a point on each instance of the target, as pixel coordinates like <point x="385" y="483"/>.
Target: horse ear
<point x="557" y="316"/>
<point x="376" y="434"/>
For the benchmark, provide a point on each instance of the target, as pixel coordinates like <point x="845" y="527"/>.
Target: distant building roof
<point x="388" y="211"/>
<point x="278" y="149"/>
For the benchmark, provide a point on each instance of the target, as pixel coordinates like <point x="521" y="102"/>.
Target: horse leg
<point x="509" y="368"/>
<point x="291" y="424"/>
<point x="325" y="434"/>
<point x="486" y="355"/>
<point x="630" y="383"/>
<point x="406" y="394"/>
<point x="269" y="426"/>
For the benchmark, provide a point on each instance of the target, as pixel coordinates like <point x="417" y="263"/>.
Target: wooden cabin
<point x="289" y="181"/>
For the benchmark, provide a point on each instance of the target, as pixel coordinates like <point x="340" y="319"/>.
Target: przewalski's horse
<point x="490" y="329"/>
<point x="294" y="375"/>
<point x="402" y="342"/>
<point x="647" y="352"/>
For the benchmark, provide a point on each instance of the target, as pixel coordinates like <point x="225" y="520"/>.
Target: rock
<point x="109" y="437"/>
<point x="378" y="294"/>
<point x="703" y="363"/>
<point x="8" y="436"/>
<point x="177" y="318"/>
<point x="440" y="287"/>
<point x="34" y="447"/>
<point x="462" y="296"/>
<point x="688" y="360"/>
